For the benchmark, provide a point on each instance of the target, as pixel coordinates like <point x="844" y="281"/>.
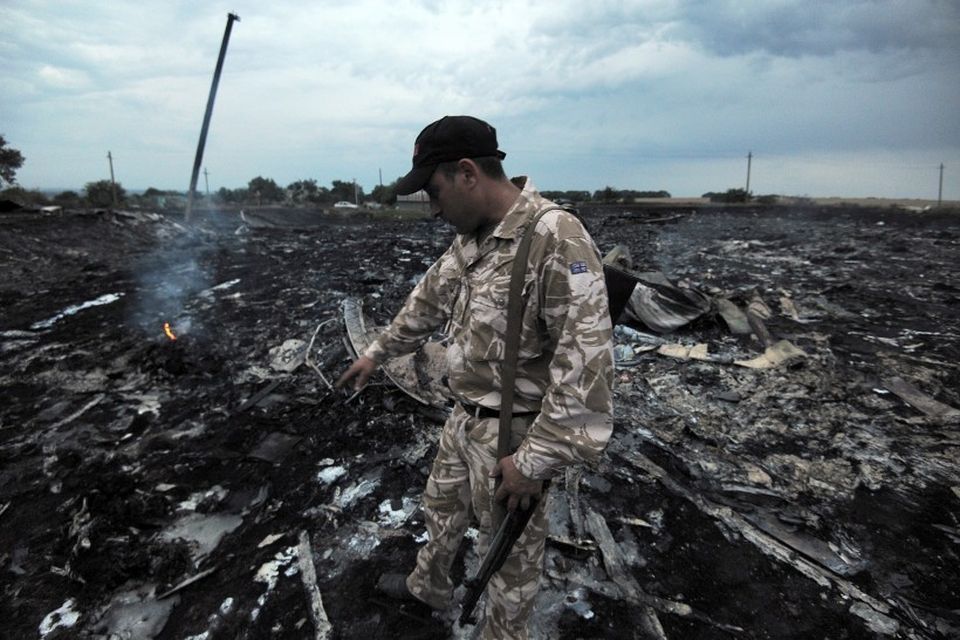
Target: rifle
<point x="510" y="529"/>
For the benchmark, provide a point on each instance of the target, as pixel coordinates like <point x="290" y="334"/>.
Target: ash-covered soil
<point x="816" y="499"/>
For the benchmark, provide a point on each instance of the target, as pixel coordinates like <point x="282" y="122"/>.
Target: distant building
<point x="418" y="201"/>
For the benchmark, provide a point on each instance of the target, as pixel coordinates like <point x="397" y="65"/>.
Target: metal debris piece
<point x="757" y="326"/>
<point x="420" y="374"/>
<point x="773" y="356"/>
<point x="919" y="400"/>
<point x="877" y="622"/>
<point x="186" y="583"/>
<point x="813" y="548"/>
<point x="288" y="356"/>
<point x="308" y="360"/>
<point x="275" y="447"/>
<point x="684" y="352"/>
<point x="270" y="539"/>
<point x="615" y="563"/>
<point x="202" y="531"/>
<point x="763" y="541"/>
<point x="136" y="613"/>
<point x="63" y="617"/>
<point x="735" y="318"/>
<point x="636" y="522"/>
<point x="728" y="396"/>
<point x="79" y="412"/>
<point x="308" y="575"/>
<point x="572" y="485"/>
<point x="259" y="395"/>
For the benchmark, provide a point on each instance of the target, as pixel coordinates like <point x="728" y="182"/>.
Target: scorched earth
<point x="154" y="487"/>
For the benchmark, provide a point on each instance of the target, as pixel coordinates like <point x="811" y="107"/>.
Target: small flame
<point x="167" y="330"/>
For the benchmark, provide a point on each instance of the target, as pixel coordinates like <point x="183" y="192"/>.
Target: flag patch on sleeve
<point x="578" y="267"/>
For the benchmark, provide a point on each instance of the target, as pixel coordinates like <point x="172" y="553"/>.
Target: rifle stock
<point x="500" y="546"/>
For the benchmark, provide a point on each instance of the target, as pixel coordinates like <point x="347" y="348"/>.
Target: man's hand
<point x="515" y="487"/>
<point x="362" y="368"/>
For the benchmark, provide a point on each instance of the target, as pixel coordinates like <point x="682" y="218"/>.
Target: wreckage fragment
<point x="420" y="374"/>
<point x="648" y="297"/>
<point x="771" y="545"/>
<point x="308" y="575"/>
<point x="773" y="356"/>
<point x="919" y="400"/>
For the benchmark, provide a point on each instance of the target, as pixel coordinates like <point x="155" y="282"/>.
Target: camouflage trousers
<point x="460" y="479"/>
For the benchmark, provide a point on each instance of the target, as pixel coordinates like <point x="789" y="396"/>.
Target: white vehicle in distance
<point x="344" y="204"/>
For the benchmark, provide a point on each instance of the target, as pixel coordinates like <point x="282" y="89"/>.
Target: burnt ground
<point x="804" y="501"/>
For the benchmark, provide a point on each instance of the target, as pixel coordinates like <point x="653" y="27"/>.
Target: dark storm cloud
<point x="793" y="29"/>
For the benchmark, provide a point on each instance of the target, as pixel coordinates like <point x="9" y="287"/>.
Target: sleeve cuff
<point x="376" y="352"/>
<point x="532" y="466"/>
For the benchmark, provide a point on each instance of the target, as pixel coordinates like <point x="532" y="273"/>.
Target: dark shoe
<point x="394" y="586"/>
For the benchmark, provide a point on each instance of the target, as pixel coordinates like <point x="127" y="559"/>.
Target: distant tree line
<point x="606" y="195"/>
<point x="740" y="195"/>
<point x="262" y="190"/>
<point x="306" y="192"/>
<point x="259" y="191"/>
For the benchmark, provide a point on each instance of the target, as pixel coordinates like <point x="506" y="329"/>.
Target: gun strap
<point x="512" y="346"/>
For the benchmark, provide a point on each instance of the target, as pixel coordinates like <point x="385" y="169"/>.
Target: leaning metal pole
<point x="206" y="116"/>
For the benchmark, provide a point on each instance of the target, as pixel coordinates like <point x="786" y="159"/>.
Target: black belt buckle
<point x="485" y="413"/>
<point x="479" y="411"/>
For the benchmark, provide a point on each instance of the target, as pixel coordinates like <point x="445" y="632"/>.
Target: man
<point x="562" y="408"/>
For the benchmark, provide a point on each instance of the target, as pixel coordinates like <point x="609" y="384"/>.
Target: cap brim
<point x="415" y="180"/>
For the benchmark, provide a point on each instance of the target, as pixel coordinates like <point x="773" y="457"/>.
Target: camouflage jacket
<point x="565" y="365"/>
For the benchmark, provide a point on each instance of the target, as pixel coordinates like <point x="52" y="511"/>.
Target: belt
<point x="484" y="413"/>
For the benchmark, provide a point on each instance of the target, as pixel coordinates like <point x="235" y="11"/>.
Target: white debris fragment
<point x="202" y="531"/>
<point x="71" y="310"/>
<point x="364" y="541"/>
<point x="224" y="285"/>
<point x="269" y="572"/>
<point x="577" y="602"/>
<point x="190" y="504"/>
<point x="636" y="522"/>
<point x="356" y="492"/>
<point x="269" y="540"/>
<point x="226" y="607"/>
<point x="394" y="518"/>
<point x="331" y="474"/>
<point x="288" y="356"/>
<point x="876" y="621"/>
<point x="163" y="487"/>
<point x="136" y="613"/>
<point x="65" y="617"/>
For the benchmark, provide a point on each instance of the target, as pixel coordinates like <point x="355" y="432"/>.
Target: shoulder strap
<point x="512" y="346"/>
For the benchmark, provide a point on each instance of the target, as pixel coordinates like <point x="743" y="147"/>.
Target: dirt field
<point x="816" y="499"/>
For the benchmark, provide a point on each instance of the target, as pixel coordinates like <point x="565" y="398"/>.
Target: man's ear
<point x="470" y="171"/>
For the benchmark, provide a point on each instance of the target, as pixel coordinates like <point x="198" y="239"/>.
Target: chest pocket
<point x="486" y="315"/>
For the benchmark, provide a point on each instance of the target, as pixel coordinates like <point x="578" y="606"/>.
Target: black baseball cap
<point x="449" y="138"/>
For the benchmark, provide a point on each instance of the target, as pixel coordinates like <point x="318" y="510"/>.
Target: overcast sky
<point x="848" y="98"/>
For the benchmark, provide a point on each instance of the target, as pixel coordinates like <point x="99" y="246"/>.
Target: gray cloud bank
<point x="650" y="94"/>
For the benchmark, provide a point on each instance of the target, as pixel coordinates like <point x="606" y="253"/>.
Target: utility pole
<point x="206" y="117"/>
<point x="356" y="193"/>
<point x="206" y="181"/>
<point x="113" y="183"/>
<point x="940" y="191"/>
<point x="380" y="171"/>
<point x="749" y="161"/>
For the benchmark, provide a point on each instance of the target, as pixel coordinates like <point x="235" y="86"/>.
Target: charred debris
<point x="175" y="463"/>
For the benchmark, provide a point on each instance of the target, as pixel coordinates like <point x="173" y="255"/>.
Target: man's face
<point x="448" y="201"/>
